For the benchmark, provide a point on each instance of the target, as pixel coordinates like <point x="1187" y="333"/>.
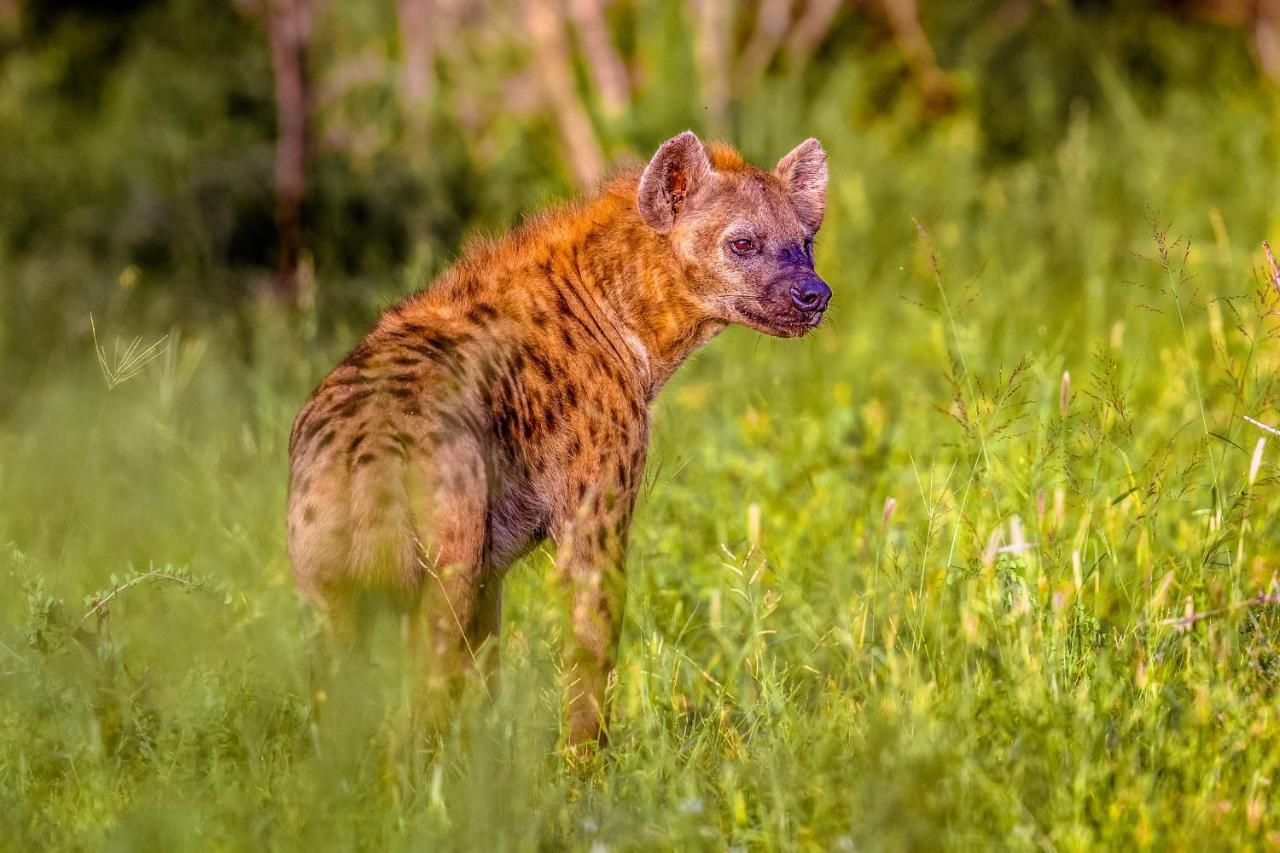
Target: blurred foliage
<point x="138" y="137"/>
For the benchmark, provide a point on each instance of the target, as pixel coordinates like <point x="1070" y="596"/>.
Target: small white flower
<point x="691" y="805"/>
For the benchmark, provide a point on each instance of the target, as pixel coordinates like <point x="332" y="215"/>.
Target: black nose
<point x="812" y="294"/>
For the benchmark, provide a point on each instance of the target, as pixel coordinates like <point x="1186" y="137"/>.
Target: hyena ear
<point x="673" y="175"/>
<point x="804" y="172"/>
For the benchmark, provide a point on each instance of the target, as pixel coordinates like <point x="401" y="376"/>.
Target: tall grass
<point x="986" y="561"/>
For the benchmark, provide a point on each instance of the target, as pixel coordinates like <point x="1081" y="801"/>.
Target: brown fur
<point x="508" y="403"/>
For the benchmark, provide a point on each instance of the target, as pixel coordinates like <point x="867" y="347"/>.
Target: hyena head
<point x="744" y="236"/>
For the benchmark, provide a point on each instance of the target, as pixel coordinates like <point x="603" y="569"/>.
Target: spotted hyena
<point x="508" y="402"/>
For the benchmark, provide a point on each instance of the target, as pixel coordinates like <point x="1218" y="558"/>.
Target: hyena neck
<point x="628" y="274"/>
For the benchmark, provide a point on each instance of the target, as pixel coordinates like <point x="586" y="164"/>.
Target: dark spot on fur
<point x="314" y="425"/>
<point x="481" y="312"/>
<point x="347" y="381"/>
<point x="401" y="444"/>
<point x="308" y="513"/>
<point x="365" y="459"/>
<point x="401" y="393"/>
<point x="359" y="356"/>
<point x="355" y="402"/>
<point x="544" y="367"/>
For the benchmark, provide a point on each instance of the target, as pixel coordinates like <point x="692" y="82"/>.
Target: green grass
<point x="900" y="585"/>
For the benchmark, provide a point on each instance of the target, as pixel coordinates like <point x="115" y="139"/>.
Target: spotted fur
<point x="509" y="402"/>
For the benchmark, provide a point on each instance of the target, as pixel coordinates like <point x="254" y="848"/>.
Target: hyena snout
<point x="810" y="295"/>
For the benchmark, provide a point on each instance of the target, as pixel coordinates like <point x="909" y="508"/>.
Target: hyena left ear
<point x="673" y="175"/>
<point x="804" y="172"/>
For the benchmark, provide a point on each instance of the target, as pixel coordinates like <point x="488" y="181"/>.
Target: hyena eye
<point x="742" y="246"/>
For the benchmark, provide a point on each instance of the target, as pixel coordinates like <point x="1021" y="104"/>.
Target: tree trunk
<point x="289" y="28"/>
<point x="417" y="50"/>
<point x="713" y="24"/>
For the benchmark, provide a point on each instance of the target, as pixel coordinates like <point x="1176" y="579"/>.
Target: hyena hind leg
<point x="459" y="603"/>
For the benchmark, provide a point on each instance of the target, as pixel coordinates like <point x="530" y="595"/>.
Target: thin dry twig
<point x="1187" y="621"/>
<point x="1261" y="425"/>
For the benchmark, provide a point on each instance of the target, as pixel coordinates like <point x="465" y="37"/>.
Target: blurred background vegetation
<point x="177" y="161"/>
<point x="986" y="562"/>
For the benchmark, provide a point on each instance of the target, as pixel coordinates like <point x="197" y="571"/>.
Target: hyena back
<point x="509" y="402"/>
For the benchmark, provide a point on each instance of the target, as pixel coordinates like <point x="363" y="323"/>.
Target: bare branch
<point x="606" y="66"/>
<point x="1187" y="621"/>
<point x="908" y="32"/>
<point x="1266" y="38"/>
<point x="551" y="56"/>
<point x="810" y="31"/>
<point x="772" y="18"/>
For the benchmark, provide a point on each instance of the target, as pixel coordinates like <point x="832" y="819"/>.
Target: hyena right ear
<point x="804" y="172"/>
<point x="672" y="176"/>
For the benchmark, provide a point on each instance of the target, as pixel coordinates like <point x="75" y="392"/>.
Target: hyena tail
<point x="386" y="545"/>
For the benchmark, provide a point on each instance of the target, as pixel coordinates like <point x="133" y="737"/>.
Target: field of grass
<point x="978" y="564"/>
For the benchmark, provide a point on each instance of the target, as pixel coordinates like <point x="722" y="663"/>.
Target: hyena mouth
<point x="792" y="326"/>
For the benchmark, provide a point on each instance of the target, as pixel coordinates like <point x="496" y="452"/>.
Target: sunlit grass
<point x="986" y="563"/>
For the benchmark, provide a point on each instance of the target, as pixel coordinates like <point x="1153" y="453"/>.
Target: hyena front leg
<point x="591" y="551"/>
